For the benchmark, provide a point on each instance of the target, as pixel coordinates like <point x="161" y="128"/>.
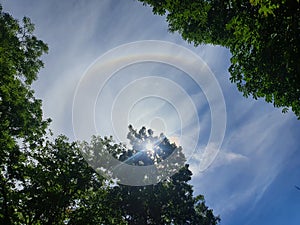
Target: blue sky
<point x="252" y="179"/>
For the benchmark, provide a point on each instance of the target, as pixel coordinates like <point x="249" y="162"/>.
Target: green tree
<point x="58" y="179"/>
<point x="262" y="35"/>
<point x="171" y="200"/>
<point x="40" y="180"/>
<point x="21" y="122"/>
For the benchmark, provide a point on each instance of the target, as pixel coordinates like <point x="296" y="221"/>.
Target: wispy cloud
<point x="248" y="162"/>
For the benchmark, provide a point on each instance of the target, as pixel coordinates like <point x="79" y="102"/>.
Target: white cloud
<point x="210" y="158"/>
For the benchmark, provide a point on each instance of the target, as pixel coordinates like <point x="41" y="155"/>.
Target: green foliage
<point x="170" y="201"/>
<point x="262" y="35"/>
<point x="58" y="179"/>
<point x="266" y="7"/>
<point x="20" y="112"/>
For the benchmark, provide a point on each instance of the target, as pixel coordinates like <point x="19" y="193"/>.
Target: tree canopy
<point x="21" y="122"/>
<point x="170" y="201"/>
<point x="263" y="38"/>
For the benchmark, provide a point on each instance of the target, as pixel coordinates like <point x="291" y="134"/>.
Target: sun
<point x="174" y="139"/>
<point x="149" y="147"/>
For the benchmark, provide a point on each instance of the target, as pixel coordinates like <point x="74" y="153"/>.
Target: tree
<point x="20" y="112"/>
<point x="40" y="180"/>
<point x="58" y="179"/>
<point x="171" y="200"/>
<point x="261" y="35"/>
